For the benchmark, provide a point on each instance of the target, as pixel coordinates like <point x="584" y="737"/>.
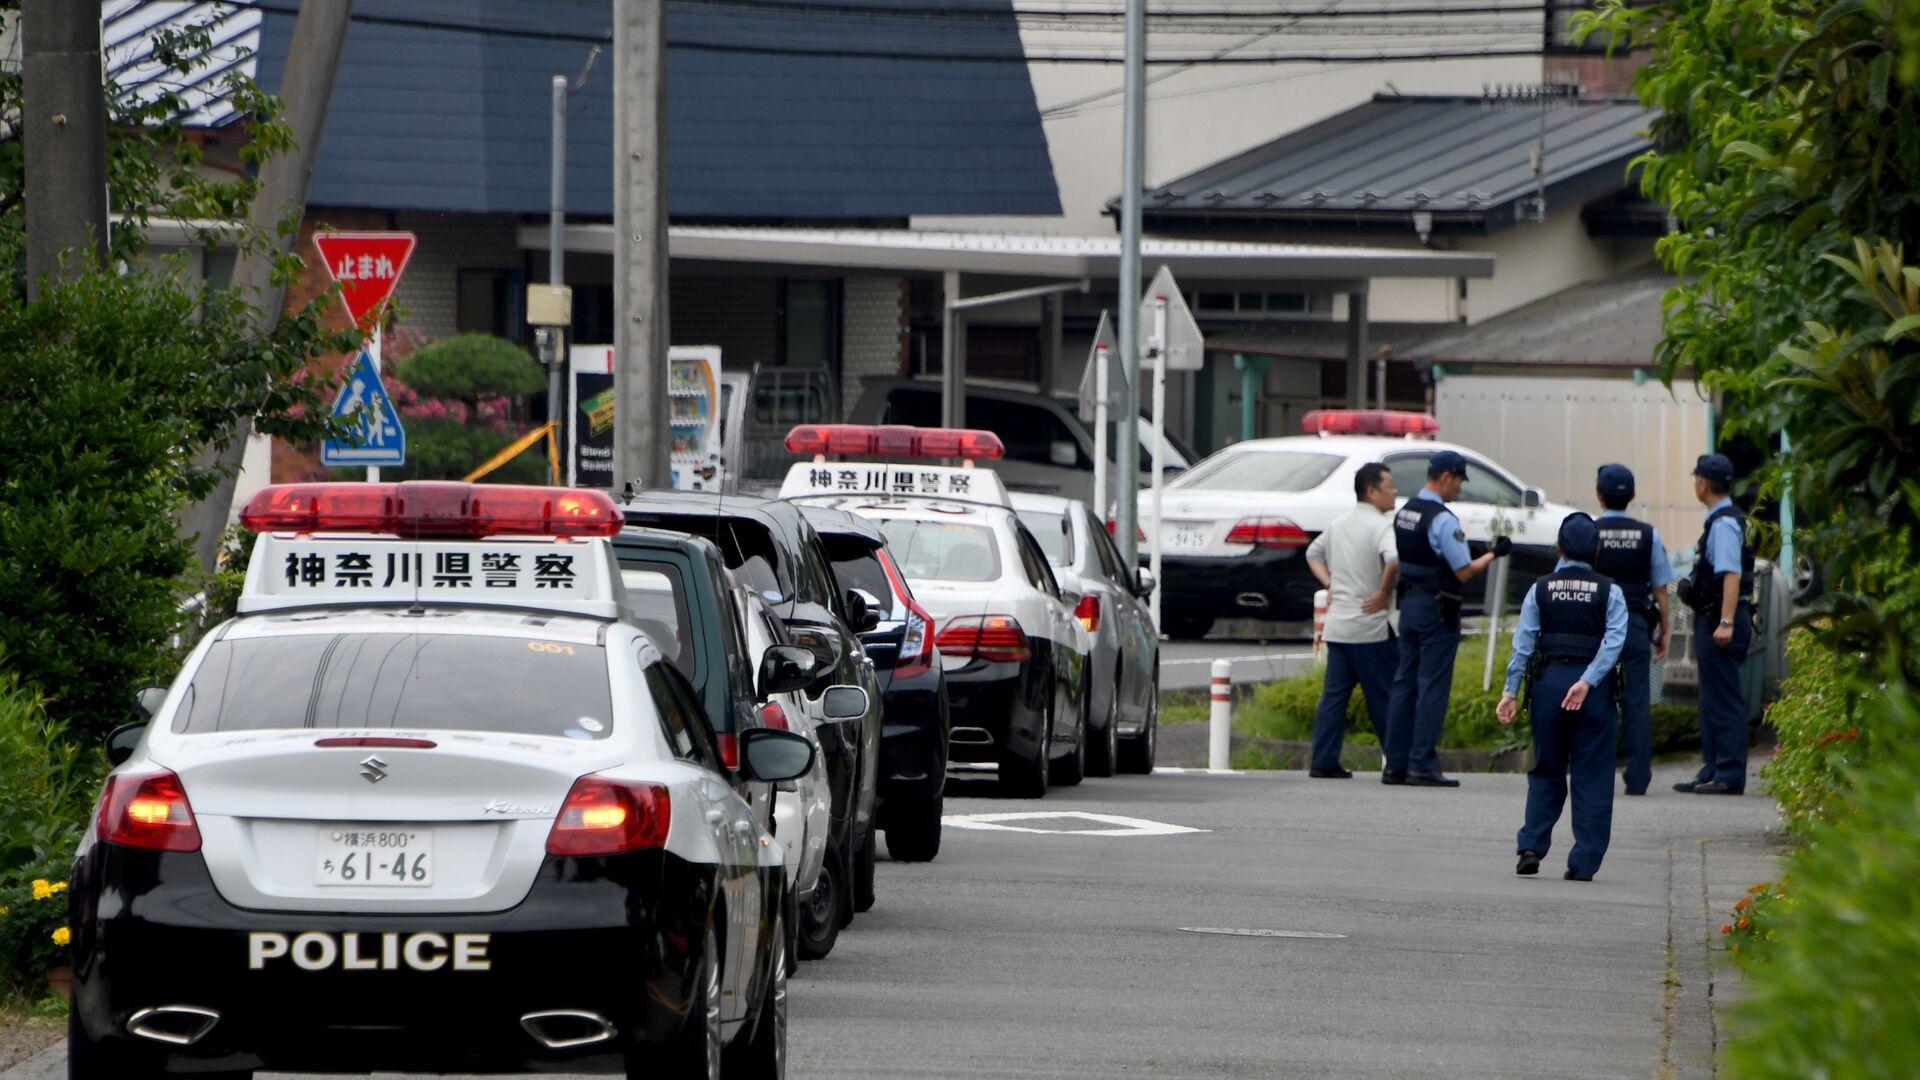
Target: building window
<point x="810" y="323"/>
<point x="490" y="302"/>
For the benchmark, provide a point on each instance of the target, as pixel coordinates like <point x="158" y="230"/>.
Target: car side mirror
<point x="1144" y="582"/>
<point x="122" y="741"/>
<point x="1063" y="453"/>
<point x="774" y="756"/>
<point x="863" y="609"/>
<point x="844" y="703"/>
<point x="148" y="701"/>
<point x="786" y="668"/>
<point x="1533" y="499"/>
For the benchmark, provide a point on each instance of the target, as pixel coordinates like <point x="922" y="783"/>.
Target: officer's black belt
<point x="1576" y="661"/>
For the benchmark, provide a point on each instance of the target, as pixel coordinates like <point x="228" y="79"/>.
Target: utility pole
<point x="559" y="373"/>
<point x="306" y="89"/>
<point x="640" y="337"/>
<point x="63" y="121"/>
<point x="1132" y="181"/>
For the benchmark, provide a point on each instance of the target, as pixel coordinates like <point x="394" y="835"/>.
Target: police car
<point x="431" y="803"/>
<point x="1237" y="525"/>
<point x="1014" y="655"/>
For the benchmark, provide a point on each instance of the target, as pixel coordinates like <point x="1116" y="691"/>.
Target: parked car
<point x="913" y="743"/>
<point x="1108" y="597"/>
<point x="770" y="548"/>
<point x="1237" y="525"/>
<point x="1048" y="448"/>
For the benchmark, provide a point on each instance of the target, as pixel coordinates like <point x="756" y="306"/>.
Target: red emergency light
<point x="894" y="441"/>
<point x="1368" y="422"/>
<point x="420" y="509"/>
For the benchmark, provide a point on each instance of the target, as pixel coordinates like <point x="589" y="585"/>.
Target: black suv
<point x="772" y="550"/>
<point x="913" y="742"/>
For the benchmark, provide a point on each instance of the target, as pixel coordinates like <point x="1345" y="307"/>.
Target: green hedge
<point x="47" y="786"/>
<point x="1818" y="738"/>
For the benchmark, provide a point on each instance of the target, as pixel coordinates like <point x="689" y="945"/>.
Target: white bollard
<point x="1220" y="720"/>
<point x="1320" y="601"/>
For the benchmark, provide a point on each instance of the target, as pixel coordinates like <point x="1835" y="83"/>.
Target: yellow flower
<point x="63" y="937"/>
<point x="42" y="889"/>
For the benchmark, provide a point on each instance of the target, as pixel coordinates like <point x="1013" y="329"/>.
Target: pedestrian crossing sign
<point x="367" y="411"/>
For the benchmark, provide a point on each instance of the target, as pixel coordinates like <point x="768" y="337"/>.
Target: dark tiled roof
<point x="434" y="118"/>
<point x="1457" y="158"/>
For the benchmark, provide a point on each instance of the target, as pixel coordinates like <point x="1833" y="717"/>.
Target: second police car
<point x="1014" y="655"/>
<point x="431" y="802"/>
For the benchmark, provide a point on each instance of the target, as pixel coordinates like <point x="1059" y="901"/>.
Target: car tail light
<point x="893" y="441"/>
<point x="607" y="817"/>
<point x="729" y="745"/>
<point x="386" y="741"/>
<point x="773" y="716"/>
<point x="1113" y="529"/>
<point x="1268" y="532"/>
<point x="149" y="811"/>
<point x="1368" y="422"/>
<point x="916" y="638"/>
<point x="421" y="508"/>
<point x="1088" y="612"/>
<point x="994" y="638"/>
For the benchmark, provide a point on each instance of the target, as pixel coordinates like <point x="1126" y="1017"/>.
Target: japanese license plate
<point x="358" y="855"/>
<point x="1181" y="536"/>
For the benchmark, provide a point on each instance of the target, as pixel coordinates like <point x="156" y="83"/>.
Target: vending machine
<point x="693" y="416"/>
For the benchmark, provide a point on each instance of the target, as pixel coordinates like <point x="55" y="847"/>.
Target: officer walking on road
<point x="1631" y="554"/>
<point x="1434" y="564"/>
<point x="1572" y="626"/>
<point x="1720" y="591"/>
<point x="1356" y="559"/>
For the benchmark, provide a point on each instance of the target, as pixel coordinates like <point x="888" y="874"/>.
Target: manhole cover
<point x="1316" y="935"/>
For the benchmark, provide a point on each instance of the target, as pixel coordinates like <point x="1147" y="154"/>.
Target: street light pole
<point x="559" y="372"/>
<point x="1132" y="181"/>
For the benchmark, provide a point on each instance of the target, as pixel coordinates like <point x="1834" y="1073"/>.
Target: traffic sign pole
<point x="1100" y="389"/>
<point x="373" y="351"/>
<point x="1157" y="349"/>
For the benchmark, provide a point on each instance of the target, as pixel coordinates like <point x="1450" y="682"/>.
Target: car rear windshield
<point x="658" y="595"/>
<point x="1262" y="470"/>
<point x="1051" y="531"/>
<point x="459" y="682"/>
<point x="857" y="566"/>
<point x="747" y="547"/>
<point x="943" y="551"/>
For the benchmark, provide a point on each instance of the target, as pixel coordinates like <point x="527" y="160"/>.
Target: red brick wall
<point x="1597" y="76"/>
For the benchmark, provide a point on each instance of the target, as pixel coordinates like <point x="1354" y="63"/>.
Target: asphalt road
<point x="1053" y="955"/>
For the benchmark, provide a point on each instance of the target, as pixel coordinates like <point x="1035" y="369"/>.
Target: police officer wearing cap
<point x="1434" y="564"/>
<point x="1720" y="591"/>
<point x="1573" y="624"/>
<point x="1631" y="554"/>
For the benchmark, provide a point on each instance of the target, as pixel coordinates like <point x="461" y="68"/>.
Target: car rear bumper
<point x="993" y="712"/>
<point x="429" y="992"/>
<point x="913" y="739"/>
<point x="1263" y="584"/>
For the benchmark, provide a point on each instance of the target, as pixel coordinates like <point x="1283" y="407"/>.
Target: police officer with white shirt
<point x="1720" y="591"/>
<point x="1631" y="553"/>
<point x="1356" y="559"/>
<point x="1434" y="564"/>
<point x="1572" y="626"/>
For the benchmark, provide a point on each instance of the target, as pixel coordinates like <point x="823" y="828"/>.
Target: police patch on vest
<point x="1460" y="535"/>
<point x="1620" y="539"/>
<point x="1579" y="590"/>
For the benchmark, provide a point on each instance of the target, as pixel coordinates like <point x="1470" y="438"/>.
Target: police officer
<point x="1720" y="591"/>
<point x="1630" y="552"/>
<point x="1434" y="564"/>
<point x="1572" y="626"/>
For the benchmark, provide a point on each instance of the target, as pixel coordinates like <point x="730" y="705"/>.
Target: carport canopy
<point x="1046" y="256"/>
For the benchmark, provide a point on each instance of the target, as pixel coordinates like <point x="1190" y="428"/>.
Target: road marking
<point x="1176" y="770"/>
<point x="1237" y="659"/>
<point x="1122" y="826"/>
<point x="1315" y="935"/>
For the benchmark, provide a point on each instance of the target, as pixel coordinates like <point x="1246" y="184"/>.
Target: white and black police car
<point x="1014" y="655"/>
<point x="431" y="803"/>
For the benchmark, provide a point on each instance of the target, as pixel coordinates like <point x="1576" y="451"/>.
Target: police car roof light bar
<point x="1369" y="422"/>
<point x="432" y="509"/>
<point x="894" y="441"/>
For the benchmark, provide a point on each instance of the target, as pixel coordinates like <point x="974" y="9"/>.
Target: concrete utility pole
<point x="1132" y="181"/>
<point x="560" y="372"/>
<point x="640" y="337"/>
<point x="63" y="121"/>
<point x="306" y="89"/>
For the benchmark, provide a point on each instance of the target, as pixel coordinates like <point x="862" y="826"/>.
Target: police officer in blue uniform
<point x="1720" y="591"/>
<point x="1434" y="564"/>
<point x="1631" y="553"/>
<point x="1572" y="627"/>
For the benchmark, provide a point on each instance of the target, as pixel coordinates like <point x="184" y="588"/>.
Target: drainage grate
<point x="1315" y="935"/>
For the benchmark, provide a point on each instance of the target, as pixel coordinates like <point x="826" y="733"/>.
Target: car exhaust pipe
<point x="970" y="736"/>
<point x="563" y="1029"/>
<point x="175" y="1025"/>
<point x="1251" y="599"/>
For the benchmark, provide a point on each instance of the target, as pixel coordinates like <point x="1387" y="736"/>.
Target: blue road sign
<point x="363" y="403"/>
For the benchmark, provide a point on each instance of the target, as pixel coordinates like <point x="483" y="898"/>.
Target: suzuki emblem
<point x="373" y="770"/>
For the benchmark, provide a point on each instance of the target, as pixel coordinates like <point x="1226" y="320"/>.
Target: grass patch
<point x="1184" y="707"/>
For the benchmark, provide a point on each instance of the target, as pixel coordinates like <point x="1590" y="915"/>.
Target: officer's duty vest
<point x="1573" y="615"/>
<point x="1420" y="565"/>
<point x="1625" y="554"/>
<point x="1706" y="583"/>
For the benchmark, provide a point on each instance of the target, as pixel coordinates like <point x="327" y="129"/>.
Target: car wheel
<point x="698" y="1052"/>
<point x="1027" y="777"/>
<point x="764" y="1055"/>
<point x="1136" y="754"/>
<point x="913" y="830"/>
<point x="1186" y="627"/>
<point x="1807" y="580"/>
<point x="1072" y="769"/>
<point x="820" y="914"/>
<point x="1104" y="755"/>
<point x="91" y="1060"/>
<point x="863" y="873"/>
